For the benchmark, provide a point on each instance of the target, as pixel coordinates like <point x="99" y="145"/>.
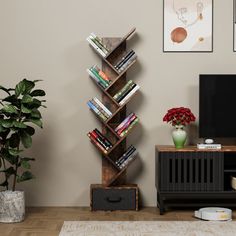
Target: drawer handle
<point x="114" y="200"/>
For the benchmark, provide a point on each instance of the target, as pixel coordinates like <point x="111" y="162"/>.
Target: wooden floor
<point x="47" y="221"/>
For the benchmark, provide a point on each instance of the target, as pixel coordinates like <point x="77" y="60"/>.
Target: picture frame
<point x="188" y="26"/>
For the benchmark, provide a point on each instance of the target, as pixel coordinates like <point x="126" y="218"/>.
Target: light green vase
<point x="179" y="136"/>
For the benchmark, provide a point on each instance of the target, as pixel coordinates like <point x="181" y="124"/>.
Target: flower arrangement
<point x="179" y="116"/>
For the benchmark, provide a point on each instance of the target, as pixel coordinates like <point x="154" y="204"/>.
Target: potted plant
<point x="179" y="117"/>
<point x="19" y="110"/>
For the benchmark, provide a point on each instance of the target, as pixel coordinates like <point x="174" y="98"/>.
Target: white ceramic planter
<point x="12" y="206"/>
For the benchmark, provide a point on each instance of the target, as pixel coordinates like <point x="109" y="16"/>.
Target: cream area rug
<point x="148" y="228"/>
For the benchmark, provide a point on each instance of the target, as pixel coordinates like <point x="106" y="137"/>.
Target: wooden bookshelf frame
<point x="111" y="174"/>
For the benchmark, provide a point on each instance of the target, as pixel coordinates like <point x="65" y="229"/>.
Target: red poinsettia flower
<point x="179" y="116"/>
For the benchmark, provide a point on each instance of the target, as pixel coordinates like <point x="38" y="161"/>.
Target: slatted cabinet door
<point x="190" y="171"/>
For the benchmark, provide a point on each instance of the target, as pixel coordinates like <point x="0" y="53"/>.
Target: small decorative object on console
<point x="179" y="117"/>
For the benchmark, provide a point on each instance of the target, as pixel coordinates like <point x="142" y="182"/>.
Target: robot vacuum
<point x="214" y="214"/>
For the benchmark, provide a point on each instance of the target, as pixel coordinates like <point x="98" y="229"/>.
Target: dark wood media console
<point x="193" y="178"/>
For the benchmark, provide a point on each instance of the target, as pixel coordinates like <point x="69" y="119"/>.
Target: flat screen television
<point x="217" y="106"/>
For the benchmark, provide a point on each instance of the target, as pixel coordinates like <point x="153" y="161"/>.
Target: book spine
<point x="127" y="153"/>
<point x="96" y="47"/>
<point x="97" y="112"/>
<point x="99" y="77"/>
<point x="97" y="143"/>
<point x="130" y="158"/>
<point x="128" y="84"/>
<point x="96" y="79"/>
<point x="124" y="121"/>
<point x="123" y="58"/>
<point x="96" y="37"/>
<point x="104" y="76"/>
<point x="129" y="95"/>
<point x="99" y="108"/>
<point x="126" y="59"/>
<point x="124" y="158"/>
<point x="103" y="138"/>
<point x="126" y="125"/>
<point x="129" y="128"/>
<point x="132" y="86"/>
<point x="99" y="140"/>
<point x="127" y="63"/>
<point x="103" y="107"/>
<point x="99" y="41"/>
<point x="98" y="44"/>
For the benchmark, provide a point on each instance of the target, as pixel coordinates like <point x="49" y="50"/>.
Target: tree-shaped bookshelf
<point x="116" y="125"/>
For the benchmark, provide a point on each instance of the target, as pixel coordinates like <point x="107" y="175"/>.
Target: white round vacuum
<point x="214" y="214"/>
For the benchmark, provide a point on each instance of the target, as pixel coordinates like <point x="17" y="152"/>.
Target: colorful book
<point x="100" y="41"/>
<point x="117" y="66"/>
<point x="96" y="47"/>
<point x="132" y="86"/>
<point x="129" y="128"/>
<point x="124" y="121"/>
<point x="105" y="83"/>
<point x="133" y="91"/>
<point x="129" y="159"/>
<point x="94" y="77"/>
<point x="99" y="108"/>
<point x="126" y="60"/>
<point x="93" y="133"/>
<point x="97" y="112"/>
<point x="122" y="91"/>
<point x="97" y="143"/>
<point x="126" y="125"/>
<point x="127" y="63"/>
<point x="103" y="140"/>
<point x="102" y="74"/>
<point x="108" y="143"/>
<point x="126" y="154"/>
<point x="98" y="44"/>
<point x="125" y="157"/>
<point x="103" y="107"/>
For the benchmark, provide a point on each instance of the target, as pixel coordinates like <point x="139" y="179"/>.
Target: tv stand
<point x="192" y="177"/>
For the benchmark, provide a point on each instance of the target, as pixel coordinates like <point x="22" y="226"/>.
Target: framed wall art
<point x="188" y="25"/>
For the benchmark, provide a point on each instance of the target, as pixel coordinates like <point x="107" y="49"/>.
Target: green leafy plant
<point x="19" y="110"/>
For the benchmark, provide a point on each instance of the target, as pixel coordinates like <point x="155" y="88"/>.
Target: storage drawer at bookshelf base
<point x="114" y="198"/>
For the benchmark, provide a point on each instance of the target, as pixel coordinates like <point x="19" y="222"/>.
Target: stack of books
<point x="100" y="140"/>
<point x="97" y="44"/>
<point x="125" y="61"/>
<point x="99" y="109"/>
<point x="99" y="76"/>
<point x="128" y="156"/>
<point x="126" y="92"/>
<point x="126" y="125"/>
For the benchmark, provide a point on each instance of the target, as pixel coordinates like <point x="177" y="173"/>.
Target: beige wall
<point x="45" y="39"/>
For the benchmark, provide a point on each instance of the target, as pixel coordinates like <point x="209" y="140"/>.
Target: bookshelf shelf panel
<point x="123" y="40"/>
<point x="119" y="173"/>
<point x="120" y="75"/>
<point x="107" y="125"/>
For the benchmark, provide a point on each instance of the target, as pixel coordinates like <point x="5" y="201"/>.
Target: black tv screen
<point x="217" y="106"/>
